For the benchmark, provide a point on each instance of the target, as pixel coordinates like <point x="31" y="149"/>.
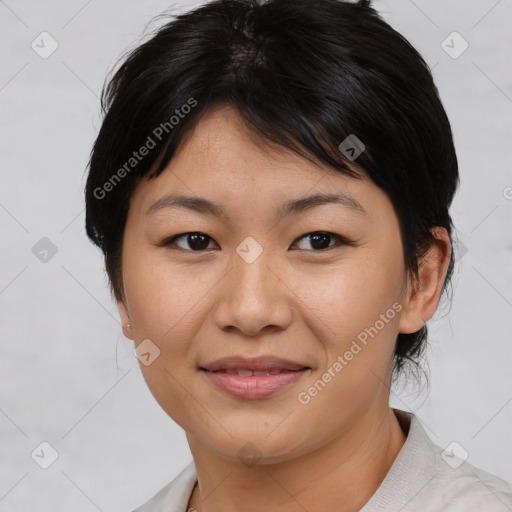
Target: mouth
<point x="253" y="378"/>
<point x="266" y="364"/>
<point x="244" y="372"/>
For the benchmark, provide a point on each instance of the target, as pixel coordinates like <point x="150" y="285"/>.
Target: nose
<point x="253" y="298"/>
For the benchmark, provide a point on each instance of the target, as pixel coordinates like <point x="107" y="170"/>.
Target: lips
<point x="247" y="378"/>
<point x="242" y="372"/>
<point x="253" y="387"/>
<point x="264" y="365"/>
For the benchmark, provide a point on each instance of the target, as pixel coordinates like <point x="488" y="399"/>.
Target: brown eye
<point x="196" y="241"/>
<point x="319" y="240"/>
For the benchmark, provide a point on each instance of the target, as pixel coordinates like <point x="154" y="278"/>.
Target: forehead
<point x="224" y="160"/>
<point x="223" y="135"/>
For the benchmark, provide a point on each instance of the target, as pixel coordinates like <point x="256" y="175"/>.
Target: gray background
<point x="70" y="378"/>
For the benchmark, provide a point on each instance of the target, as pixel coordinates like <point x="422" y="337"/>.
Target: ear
<point x="125" y="320"/>
<point x="421" y="301"/>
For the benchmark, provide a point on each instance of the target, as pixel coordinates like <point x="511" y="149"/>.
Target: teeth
<point x="248" y="373"/>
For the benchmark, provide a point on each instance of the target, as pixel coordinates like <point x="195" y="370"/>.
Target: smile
<point x="253" y="385"/>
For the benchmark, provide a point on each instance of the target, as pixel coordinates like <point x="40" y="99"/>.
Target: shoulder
<point x="460" y="486"/>
<point x="174" y="496"/>
<point x="426" y="478"/>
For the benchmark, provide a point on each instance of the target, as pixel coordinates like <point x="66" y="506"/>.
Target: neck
<point x="340" y="475"/>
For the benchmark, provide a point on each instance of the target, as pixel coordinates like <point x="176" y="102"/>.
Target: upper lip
<point x="254" y="364"/>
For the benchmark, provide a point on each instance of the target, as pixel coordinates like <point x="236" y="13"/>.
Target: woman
<point x="270" y="188"/>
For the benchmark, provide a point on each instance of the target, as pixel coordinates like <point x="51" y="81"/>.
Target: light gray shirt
<point x="423" y="478"/>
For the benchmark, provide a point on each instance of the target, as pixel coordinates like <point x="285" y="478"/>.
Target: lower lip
<point x="253" y="386"/>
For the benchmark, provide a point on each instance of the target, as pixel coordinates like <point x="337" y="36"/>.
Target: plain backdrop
<point x="68" y="376"/>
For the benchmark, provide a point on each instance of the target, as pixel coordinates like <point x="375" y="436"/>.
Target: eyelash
<point x="341" y="240"/>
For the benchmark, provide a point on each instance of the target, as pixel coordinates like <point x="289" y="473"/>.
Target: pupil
<point x="322" y="237"/>
<point x="194" y="244"/>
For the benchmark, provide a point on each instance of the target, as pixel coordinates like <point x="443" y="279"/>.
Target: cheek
<point x="164" y="300"/>
<point x="164" y="306"/>
<point x="345" y="299"/>
<point x="355" y="318"/>
<point x="356" y="310"/>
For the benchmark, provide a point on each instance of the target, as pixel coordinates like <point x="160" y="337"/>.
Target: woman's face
<point x="260" y="281"/>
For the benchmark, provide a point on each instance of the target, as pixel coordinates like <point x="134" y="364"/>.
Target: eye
<point x="319" y="240"/>
<point x="196" y="241"/>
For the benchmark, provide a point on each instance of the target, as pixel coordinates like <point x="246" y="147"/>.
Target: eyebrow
<point x="293" y="207"/>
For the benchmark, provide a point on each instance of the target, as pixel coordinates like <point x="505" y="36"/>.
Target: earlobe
<point x="421" y="302"/>
<point x="125" y="320"/>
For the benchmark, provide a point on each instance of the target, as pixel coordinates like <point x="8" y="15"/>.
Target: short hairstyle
<point x="304" y="75"/>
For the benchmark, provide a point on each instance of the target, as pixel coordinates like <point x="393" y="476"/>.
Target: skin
<point x="294" y="301"/>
